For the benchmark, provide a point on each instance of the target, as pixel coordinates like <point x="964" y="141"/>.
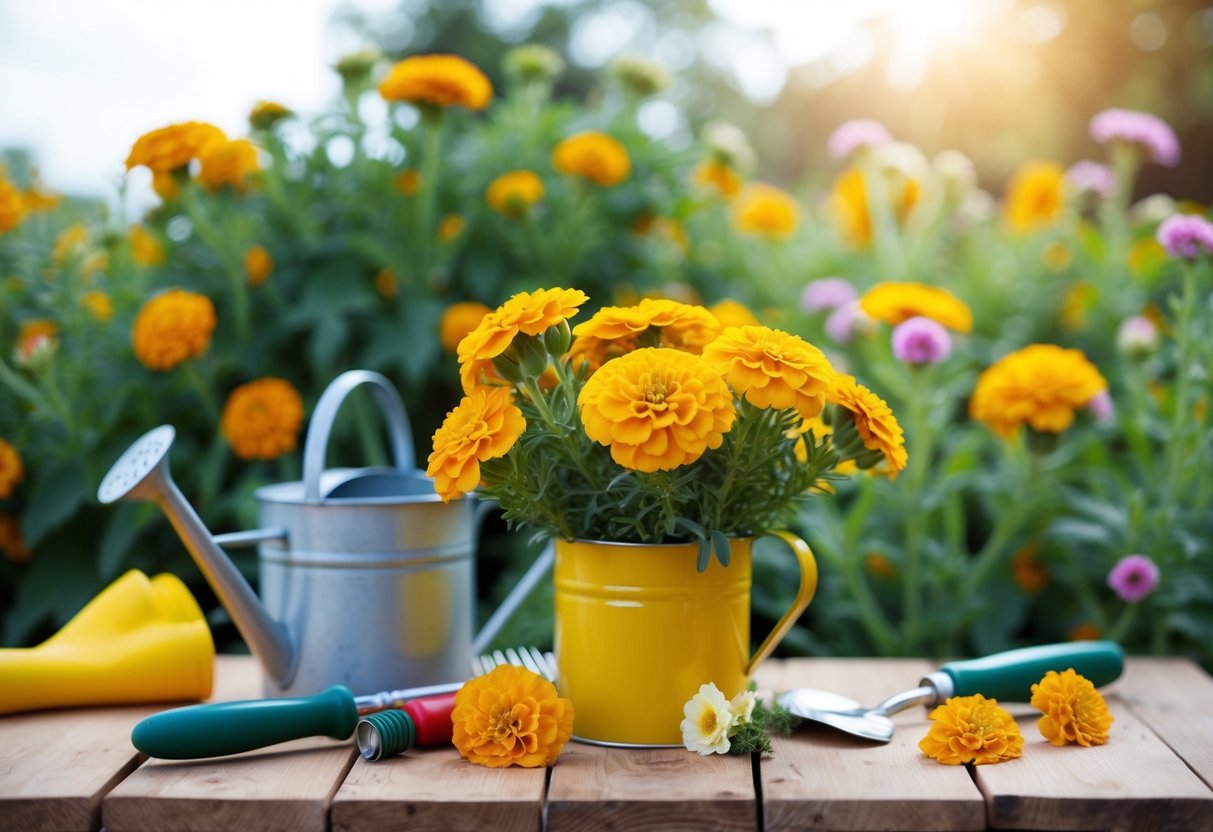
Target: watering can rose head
<point x="651" y="423"/>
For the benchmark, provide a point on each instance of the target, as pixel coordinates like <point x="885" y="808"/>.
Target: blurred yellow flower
<point x="33" y="334"/>
<point x="70" y="241"/>
<point x="168" y="148"/>
<point x="12" y="472"/>
<point x="512" y="194"/>
<point x="1026" y="570"/>
<point x="716" y="175"/>
<point x="1078" y="300"/>
<point x="511" y="716"/>
<point x="12" y="206"/>
<point x="99" y="304"/>
<point x="656" y="409"/>
<point x="594" y="156"/>
<point x="262" y="419"/>
<point x="731" y="313"/>
<point x="437" y="80"/>
<point x="450" y="227"/>
<point x="766" y="211"/>
<point x="407" y="182"/>
<point x="227" y="163"/>
<point x="772" y="369"/>
<point x="677" y="325"/>
<point x="258" y="265"/>
<point x="874" y="421"/>
<point x="1035" y="196"/>
<point x="483" y="426"/>
<point x="11" y="543"/>
<point x="894" y="303"/>
<point x="265" y="114"/>
<point x="458" y="320"/>
<point x="385" y="283"/>
<point x="971" y="729"/>
<point x="165" y="185"/>
<point x="1074" y="711"/>
<point x="1084" y="632"/>
<point x="1146" y="254"/>
<point x="850" y="206"/>
<point x="37" y="200"/>
<point x="146" y="250"/>
<point x="1041" y="385"/>
<point x="171" y="327"/>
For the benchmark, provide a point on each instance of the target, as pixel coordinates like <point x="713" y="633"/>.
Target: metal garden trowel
<point x="1007" y="677"/>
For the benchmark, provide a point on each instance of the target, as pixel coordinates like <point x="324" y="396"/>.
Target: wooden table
<point x="76" y="770"/>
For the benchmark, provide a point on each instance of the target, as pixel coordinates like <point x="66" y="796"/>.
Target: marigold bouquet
<point x="651" y="423"/>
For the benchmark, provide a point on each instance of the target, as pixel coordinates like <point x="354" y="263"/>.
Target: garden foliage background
<point x="344" y="241"/>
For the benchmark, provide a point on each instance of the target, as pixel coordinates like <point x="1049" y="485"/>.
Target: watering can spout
<point x="142" y="473"/>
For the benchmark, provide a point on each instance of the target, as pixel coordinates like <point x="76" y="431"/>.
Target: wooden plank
<point x="822" y="778"/>
<point x="435" y="789"/>
<point x="659" y="789"/>
<point x="1173" y="697"/>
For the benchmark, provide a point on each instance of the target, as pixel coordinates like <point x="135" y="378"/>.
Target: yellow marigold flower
<point x="12" y="472"/>
<point x="656" y="409"/>
<point x="458" y="320"/>
<point x="1029" y="575"/>
<point x="99" y="304"/>
<point x="262" y="419"/>
<point x="1035" y="196"/>
<point x="146" y="250"/>
<point x="511" y="716"/>
<point x="450" y="227"/>
<point x="437" y="80"/>
<point x="265" y="114"/>
<point x="766" y="211"/>
<point x="680" y="325"/>
<point x="407" y="182"/>
<point x="731" y="313"/>
<point x="719" y="176"/>
<point x="12" y="206"/>
<point x="528" y="313"/>
<point x="258" y="265"/>
<point x="483" y="426"/>
<point x="385" y="283"/>
<point x="972" y="729"/>
<point x="849" y="204"/>
<point x="1074" y="711"/>
<point x="874" y="421"/>
<point x="844" y="468"/>
<point x="594" y="156"/>
<point x="165" y="185"/>
<point x="227" y="163"/>
<point x="11" y="542"/>
<point x="512" y="194"/>
<point x="1041" y="385"/>
<point x="172" y="327"/>
<point x="172" y="147"/>
<point x="896" y="302"/>
<point x="772" y="369"/>
<point x="595" y="351"/>
<point x="34" y="334"/>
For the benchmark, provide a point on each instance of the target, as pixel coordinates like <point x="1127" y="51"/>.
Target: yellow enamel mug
<point x="638" y="630"/>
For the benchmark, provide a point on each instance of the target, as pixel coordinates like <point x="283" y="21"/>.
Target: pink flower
<point x="1185" y="235"/>
<point x="857" y="134"/>
<point x="1149" y="131"/>
<point x="827" y="293"/>
<point x="921" y="340"/>
<point x="1133" y="578"/>
<point x="1101" y="407"/>
<point x="1091" y="176"/>
<point x="847" y="321"/>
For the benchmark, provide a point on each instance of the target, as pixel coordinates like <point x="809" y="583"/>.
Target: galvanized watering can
<point x="367" y="577"/>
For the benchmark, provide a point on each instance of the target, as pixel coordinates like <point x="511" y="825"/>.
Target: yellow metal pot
<point x="638" y="630"/>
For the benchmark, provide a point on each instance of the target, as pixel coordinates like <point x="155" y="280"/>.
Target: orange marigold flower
<point x="483" y="426"/>
<point x="438" y="80"/>
<point x="172" y="147"/>
<point x="262" y="419"/>
<point x="849" y="204"/>
<point x="385" y="283"/>
<point x="512" y="194"/>
<point x="894" y="303"/>
<point x="772" y="369"/>
<point x="766" y="211"/>
<point x="227" y="163"/>
<point x="595" y="352"/>
<point x="1035" y="196"/>
<point x="594" y="156"/>
<point x="146" y="250"/>
<point x="407" y="182"/>
<point x="679" y="325"/>
<point x="731" y="313"/>
<point x="972" y="729"/>
<point x="511" y="716"/>
<point x="1041" y="385"/>
<point x="1074" y="711"/>
<point x="258" y="265"/>
<point x="99" y="304"/>
<point x="265" y="114"/>
<point x="450" y="227"/>
<point x="165" y="185"/>
<point x="12" y="545"/>
<point x="458" y="320"/>
<point x="171" y="327"/>
<point x="874" y="421"/>
<point x="12" y="472"/>
<point x="34" y="334"/>
<point x="1027" y="572"/>
<point x="879" y="565"/>
<point x="717" y="175"/>
<point x="1084" y="632"/>
<point x="656" y="409"/>
<point x="12" y="206"/>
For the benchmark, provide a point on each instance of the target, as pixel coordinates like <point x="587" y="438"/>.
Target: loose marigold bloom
<point x="258" y="265"/>
<point x="172" y="327"/>
<point x="971" y="729"/>
<point x="34" y="333"/>
<point x="262" y="419"/>
<point x="99" y="304"/>
<point x="265" y="114"/>
<point x="894" y="303"/>
<point x="849" y="204"/>
<point x="1029" y="575"/>
<point x="227" y="163"/>
<point x="12" y="472"/>
<point x="512" y="194"/>
<point x="1084" y="632"/>
<point x="1074" y="711"/>
<point x="450" y="227"/>
<point x="772" y="369"/>
<point x="594" y="156"/>
<point x="656" y="409"/>
<point x="483" y="426"/>
<point x="146" y="250"/>
<point x="511" y="716"/>
<point x="458" y="320"/>
<point x="438" y="80"/>
<point x="172" y="147"/>
<point x="879" y="565"/>
<point x="1041" y="386"/>
<point x="12" y="206"/>
<point x="12" y="545"/>
<point x="407" y="182"/>
<point x="1035" y="196"/>
<point x="682" y="326"/>
<point x="874" y="421"/>
<point x="731" y="313"/>
<point x="766" y="211"/>
<point x="715" y="174"/>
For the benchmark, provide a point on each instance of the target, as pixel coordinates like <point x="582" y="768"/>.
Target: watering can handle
<point x="399" y="432"/>
<point x="805" y="593"/>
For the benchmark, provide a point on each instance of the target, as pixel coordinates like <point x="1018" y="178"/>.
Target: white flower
<point x="742" y="708"/>
<point x="708" y="720"/>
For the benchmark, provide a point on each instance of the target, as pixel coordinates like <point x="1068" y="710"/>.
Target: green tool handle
<point x="221" y="728"/>
<point x="1009" y="676"/>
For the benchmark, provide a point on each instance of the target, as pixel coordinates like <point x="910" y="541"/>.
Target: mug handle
<point x="808" y="587"/>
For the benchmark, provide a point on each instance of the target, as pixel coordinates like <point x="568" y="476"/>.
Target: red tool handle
<point x="431" y="718"/>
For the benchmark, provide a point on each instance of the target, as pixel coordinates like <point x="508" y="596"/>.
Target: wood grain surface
<point x="1175" y="698"/>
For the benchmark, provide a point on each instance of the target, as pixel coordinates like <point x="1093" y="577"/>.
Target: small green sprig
<point x="754" y="735"/>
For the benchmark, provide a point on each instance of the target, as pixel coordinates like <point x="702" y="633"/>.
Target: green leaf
<point x="705" y="555"/>
<point x="720" y="544"/>
<point x="54" y="498"/>
<point x="327" y="340"/>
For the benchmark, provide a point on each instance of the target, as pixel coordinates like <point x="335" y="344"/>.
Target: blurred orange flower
<point x="766" y="211"/>
<point x="1035" y="196"/>
<point x="438" y="80"/>
<point x="1041" y="385"/>
<point x="227" y="163"/>
<point x="458" y="320"/>
<point x="258" y="265"/>
<point x="894" y="302"/>
<point x="731" y="313"/>
<point x="146" y="250"/>
<point x="11" y="543"/>
<point x="512" y="194"/>
<point x="594" y="156"/>
<point x="172" y="327"/>
<point x="12" y="472"/>
<point x="99" y="304"/>
<point x="850" y="206"/>
<point x="718" y="176"/>
<point x="874" y="421"/>
<point x="450" y="227"/>
<point x="168" y="148"/>
<point x="12" y="206"/>
<point x="407" y="182"/>
<point x="262" y="419"/>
